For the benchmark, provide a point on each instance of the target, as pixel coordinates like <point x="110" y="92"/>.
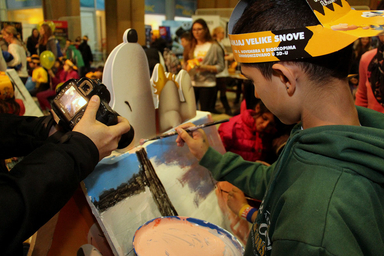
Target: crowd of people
<point x="41" y="79"/>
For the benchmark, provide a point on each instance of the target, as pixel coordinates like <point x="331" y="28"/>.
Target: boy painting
<point x="325" y="193"/>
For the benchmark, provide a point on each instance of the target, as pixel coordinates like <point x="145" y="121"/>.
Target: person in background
<point x="250" y="133"/>
<point x="3" y="44"/>
<point x="39" y="80"/>
<point x="77" y="42"/>
<point x="58" y="67"/>
<point x="3" y="63"/>
<point x="370" y="73"/>
<point x="370" y="92"/>
<point x="222" y="78"/>
<point x="22" y="43"/>
<point x="171" y="61"/>
<point x="87" y="55"/>
<point x="33" y="42"/>
<point x="185" y="41"/>
<point x="155" y="51"/>
<point x="68" y="42"/>
<point x="99" y="72"/>
<point x="361" y="46"/>
<point x="47" y="41"/>
<point x="73" y="54"/>
<point x="8" y="103"/>
<point x="69" y="72"/>
<point x="17" y="50"/>
<point x="205" y="59"/>
<point x="328" y="181"/>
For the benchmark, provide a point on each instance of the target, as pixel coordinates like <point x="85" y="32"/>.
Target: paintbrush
<point x="246" y="197"/>
<point x="190" y="129"/>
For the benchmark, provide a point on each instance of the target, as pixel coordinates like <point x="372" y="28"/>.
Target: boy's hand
<point x="106" y="138"/>
<point x="236" y="200"/>
<point x="198" y="143"/>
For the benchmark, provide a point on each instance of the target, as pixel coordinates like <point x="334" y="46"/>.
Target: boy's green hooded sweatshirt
<point x="323" y="196"/>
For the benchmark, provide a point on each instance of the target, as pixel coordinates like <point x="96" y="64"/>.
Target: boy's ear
<point x="286" y="76"/>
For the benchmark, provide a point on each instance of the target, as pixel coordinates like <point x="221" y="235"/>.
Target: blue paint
<point x="110" y="176"/>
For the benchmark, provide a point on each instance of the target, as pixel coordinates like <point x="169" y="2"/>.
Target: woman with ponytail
<point x="17" y="50"/>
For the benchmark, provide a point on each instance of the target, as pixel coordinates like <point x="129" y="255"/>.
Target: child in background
<point x="69" y="72"/>
<point x="8" y="103"/>
<point x="39" y="80"/>
<point x="249" y="133"/>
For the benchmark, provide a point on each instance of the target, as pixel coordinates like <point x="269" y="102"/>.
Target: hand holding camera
<point x="73" y="104"/>
<point x="106" y="138"/>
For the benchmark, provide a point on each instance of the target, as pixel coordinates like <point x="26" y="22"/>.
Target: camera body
<point x="72" y="99"/>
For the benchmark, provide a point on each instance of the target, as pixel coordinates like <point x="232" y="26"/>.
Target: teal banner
<point x="100" y="5"/>
<point x="23" y="4"/>
<point x="87" y="3"/>
<point x="185" y="8"/>
<point x="155" y="7"/>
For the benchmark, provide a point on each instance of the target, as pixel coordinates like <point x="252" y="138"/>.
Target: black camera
<point x="72" y="100"/>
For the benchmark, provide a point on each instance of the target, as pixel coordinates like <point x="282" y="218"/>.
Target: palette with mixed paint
<point x="173" y="236"/>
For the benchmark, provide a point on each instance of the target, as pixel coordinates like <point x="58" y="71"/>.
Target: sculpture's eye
<point x="126" y="102"/>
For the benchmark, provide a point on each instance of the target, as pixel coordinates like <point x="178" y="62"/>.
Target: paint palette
<point x="173" y="236"/>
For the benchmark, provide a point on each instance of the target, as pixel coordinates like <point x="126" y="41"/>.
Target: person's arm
<point x="40" y="185"/>
<point x="215" y="59"/>
<point x="252" y="178"/>
<point x="21" y="135"/>
<point x="220" y="56"/>
<point x="51" y="46"/>
<point x="90" y="54"/>
<point x="56" y="78"/>
<point x="12" y="49"/>
<point x="3" y="64"/>
<point x="229" y="57"/>
<point x="239" y="205"/>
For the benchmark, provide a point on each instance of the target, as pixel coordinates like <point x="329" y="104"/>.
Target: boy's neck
<point x="331" y="107"/>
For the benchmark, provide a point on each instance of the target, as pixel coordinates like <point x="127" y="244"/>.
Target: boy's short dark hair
<point x="186" y="35"/>
<point x="262" y="15"/>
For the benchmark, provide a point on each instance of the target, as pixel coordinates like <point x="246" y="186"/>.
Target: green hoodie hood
<point x="359" y="148"/>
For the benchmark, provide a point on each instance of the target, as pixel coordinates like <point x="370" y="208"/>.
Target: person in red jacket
<point x="68" y="72"/>
<point x="249" y="133"/>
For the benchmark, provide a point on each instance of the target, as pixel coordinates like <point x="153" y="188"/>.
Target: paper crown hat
<point x="340" y="26"/>
<point x="70" y="63"/>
